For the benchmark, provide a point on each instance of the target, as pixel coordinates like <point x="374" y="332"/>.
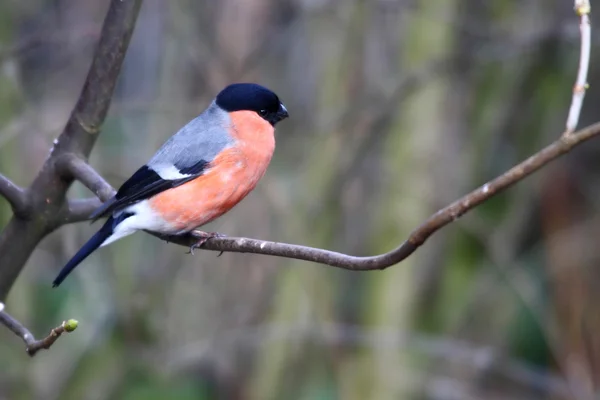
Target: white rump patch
<point x="143" y="218"/>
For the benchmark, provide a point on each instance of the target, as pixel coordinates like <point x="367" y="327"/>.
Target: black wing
<point x="144" y="184"/>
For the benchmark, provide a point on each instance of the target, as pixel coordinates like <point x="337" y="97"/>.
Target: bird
<point x="197" y="175"/>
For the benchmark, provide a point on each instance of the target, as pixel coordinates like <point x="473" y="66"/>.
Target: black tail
<point x="87" y="249"/>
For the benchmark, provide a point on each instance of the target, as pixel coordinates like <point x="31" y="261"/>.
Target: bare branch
<point x="79" y="210"/>
<point x="33" y="345"/>
<point x="583" y="9"/>
<point x="15" y="195"/>
<point x="73" y="167"/>
<point x="437" y="221"/>
<point x="48" y="192"/>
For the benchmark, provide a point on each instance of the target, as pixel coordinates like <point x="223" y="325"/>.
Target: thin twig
<point x="15" y="195"/>
<point x="437" y="221"/>
<point x="582" y="8"/>
<point x="33" y="345"/>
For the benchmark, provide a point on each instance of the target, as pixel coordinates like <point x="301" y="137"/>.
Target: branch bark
<point x="48" y="191"/>
<point x="72" y="167"/>
<point x="15" y="195"/>
<point x="79" y="210"/>
<point x="33" y="345"/>
<point x="435" y="222"/>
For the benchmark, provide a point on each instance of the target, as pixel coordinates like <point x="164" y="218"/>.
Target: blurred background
<point x="397" y="108"/>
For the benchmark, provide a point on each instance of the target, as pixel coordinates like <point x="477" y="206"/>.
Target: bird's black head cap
<point x="252" y="97"/>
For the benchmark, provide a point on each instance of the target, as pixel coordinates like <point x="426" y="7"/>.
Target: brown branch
<point x="15" y="195"/>
<point x="73" y="167"/>
<point x="48" y="190"/>
<point x="437" y="221"/>
<point x="79" y="210"/>
<point x="33" y="345"/>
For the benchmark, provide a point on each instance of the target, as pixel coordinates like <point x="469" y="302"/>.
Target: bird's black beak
<point x="281" y="114"/>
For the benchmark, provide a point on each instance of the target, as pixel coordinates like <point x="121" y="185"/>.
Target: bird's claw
<point x="204" y="237"/>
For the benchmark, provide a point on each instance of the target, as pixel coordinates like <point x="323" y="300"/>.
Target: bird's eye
<point x="263" y="113"/>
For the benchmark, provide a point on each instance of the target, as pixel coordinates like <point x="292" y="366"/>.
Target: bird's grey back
<point x="200" y="139"/>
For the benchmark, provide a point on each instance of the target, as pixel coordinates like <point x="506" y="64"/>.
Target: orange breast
<point x="232" y="175"/>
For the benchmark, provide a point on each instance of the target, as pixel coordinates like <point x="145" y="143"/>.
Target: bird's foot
<point x="204" y="237"/>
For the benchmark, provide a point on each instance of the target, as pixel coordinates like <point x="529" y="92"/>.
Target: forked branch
<point x="48" y="190"/>
<point x="71" y="166"/>
<point x="15" y="195"/>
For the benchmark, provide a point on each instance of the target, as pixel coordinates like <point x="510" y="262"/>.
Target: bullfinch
<point x="198" y="174"/>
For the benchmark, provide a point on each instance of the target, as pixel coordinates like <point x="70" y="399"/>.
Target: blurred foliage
<point x="397" y="108"/>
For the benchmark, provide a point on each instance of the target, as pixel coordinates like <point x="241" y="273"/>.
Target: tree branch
<point x="583" y="9"/>
<point x="48" y="191"/>
<point x="435" y="222"/>
<point x="33" y="345"/>
<point x="15" y="195"/>
<point x="73" y="167"/>
<point x="79" y="209"/>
